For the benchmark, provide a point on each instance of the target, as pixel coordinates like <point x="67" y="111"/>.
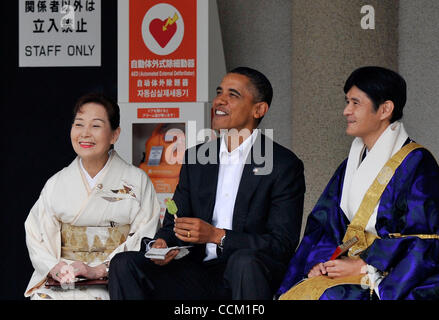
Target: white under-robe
<point x="123" y="195"/>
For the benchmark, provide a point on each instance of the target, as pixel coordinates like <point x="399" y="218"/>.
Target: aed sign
<point x="162" y="51"/>
<point x="59" y="33"/>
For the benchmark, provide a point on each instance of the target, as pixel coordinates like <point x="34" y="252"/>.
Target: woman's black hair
<point x="112" y="108"/>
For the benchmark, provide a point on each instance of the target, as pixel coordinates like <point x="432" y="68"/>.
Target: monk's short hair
<point x="380" y="84"/>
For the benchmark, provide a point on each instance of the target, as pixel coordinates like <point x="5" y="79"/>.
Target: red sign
<point x="163" y="51"/>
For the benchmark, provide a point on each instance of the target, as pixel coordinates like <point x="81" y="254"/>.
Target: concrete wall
<point x="328" y="44"/>
<point x="257" y="34"/>
<point x="309" y="48"/>
<point x="419" y="64"/>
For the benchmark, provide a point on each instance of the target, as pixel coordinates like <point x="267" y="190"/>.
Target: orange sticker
<point x="163" y="51"/>
<point x="158" y="113"/>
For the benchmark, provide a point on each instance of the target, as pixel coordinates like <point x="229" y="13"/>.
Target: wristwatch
<point x="221" y="244"/>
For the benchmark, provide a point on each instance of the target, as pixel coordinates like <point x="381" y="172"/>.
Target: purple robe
<point x="409" y="205"/>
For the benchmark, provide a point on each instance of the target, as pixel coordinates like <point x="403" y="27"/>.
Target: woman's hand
<point x="82" y="269"/>
<point x="160" y="244"/>
<point x="58" y="271"/>
<point x="345" y="267"/>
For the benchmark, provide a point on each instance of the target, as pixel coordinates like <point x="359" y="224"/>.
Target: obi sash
<point x="91" y="244"/>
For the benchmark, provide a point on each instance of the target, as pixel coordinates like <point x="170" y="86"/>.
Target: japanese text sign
<point x="162" y="51"/>
<point x="59" y="33"/>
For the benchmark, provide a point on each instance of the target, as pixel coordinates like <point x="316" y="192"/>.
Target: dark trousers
<point x="247" y="275"/>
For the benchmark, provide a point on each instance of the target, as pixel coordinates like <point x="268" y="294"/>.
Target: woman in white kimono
<point x="96" y="207"/>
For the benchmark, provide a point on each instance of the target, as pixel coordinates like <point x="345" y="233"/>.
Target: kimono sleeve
<point x="43" y="238"/>
<point x="410" y="261"/>
<point x="324" y="231"/>
<point x="147" y="220"/>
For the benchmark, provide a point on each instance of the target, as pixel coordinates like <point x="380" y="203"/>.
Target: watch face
<point x="222" y="241"/>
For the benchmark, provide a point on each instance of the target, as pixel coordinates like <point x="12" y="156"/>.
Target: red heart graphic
<point x="162" y="36"/>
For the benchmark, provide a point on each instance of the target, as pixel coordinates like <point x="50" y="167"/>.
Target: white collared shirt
<point x="231" y="165"/>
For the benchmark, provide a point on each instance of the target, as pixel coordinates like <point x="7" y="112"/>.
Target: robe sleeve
<point x="43" y="238"/>
<point x="145" y="223"/>
<point x="323" y="233"/>
<point x="412" y="263"/>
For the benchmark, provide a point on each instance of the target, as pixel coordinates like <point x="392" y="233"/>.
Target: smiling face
<point x="91" y="133"/>
<point x="362" y="119"/>
<point x="234" y="106"/>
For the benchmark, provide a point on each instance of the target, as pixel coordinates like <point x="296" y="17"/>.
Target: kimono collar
<point x="360" y="174"/>
<point x="92" y="181"/>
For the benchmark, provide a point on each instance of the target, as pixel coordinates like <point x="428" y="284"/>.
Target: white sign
<point x="63" y="33"/>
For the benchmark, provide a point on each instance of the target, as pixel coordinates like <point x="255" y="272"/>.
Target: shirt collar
<point x="242" y="151"/>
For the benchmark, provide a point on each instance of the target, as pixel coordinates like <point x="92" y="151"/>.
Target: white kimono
<point x="123" y="196"/>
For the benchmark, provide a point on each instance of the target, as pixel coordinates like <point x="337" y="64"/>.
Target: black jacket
<point x="268" y="209"/>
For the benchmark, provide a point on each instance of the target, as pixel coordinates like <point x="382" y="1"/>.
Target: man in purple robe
<point x="386" y="193"/>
